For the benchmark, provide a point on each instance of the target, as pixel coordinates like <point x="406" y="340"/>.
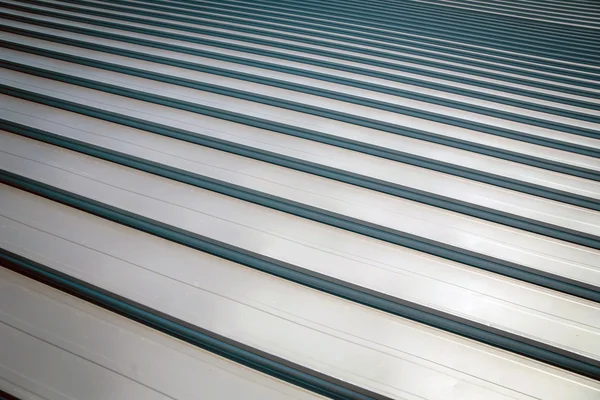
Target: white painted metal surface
<point x="389" y="355"/>
<point x="402" y="273"/>
<point x="60" y="347"/>
<point x="546" y="211"/>
<point x="495" y="240"/>
<point x="507" y="92"/>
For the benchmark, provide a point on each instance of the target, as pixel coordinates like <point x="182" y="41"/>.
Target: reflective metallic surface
<point x="60" y="347"/>
<point x="335" y="336"/>
<point x="393" y="199"/>
<point x="346" y="256"/>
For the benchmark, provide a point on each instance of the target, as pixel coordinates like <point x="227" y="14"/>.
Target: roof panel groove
<point x="397" y="199"/>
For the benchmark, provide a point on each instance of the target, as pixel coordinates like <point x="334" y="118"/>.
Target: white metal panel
<point x="352" y="25"/>
<point x="495" y="240"/>
<point x="564" y="19"/>
<point x="378" y="351"/>
<point x="296" y="64"/>
<point x="347" y="130"/>
<point x="299" y="79"/>
<point x="362" y="261"/>
<point x="67" y="348"/>
<point x="17" y="391"/>
<point x="447" y="66"/>
<point x="520" y="172"/>
<point x="589" y="97"/>
<point x="164" y="17"/>
<point x="548" y="211"/>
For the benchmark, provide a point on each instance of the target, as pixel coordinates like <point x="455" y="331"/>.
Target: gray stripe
<point x="281" y="33"/>
<point x="312" y="22"/>
<point x="451" y="77"/>
<point x="529" y="120"/>
<point x="499" y="8"/>
<point x="439" y="249"/>
<point x="578" y="171"/>
<point x="440" y="14"/>
<point x="302" y="72"/>
<point x="238" y="352"/>
<point x="365" y="30"/>
<point x="407" y="21"/>
<point x="416" y="312"/>
<point x="316" y="169"/>
<point x="325" y="138"/>
<point x="415" y="24"/>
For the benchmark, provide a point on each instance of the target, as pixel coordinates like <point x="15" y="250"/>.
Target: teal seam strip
<point x="586" y="17"/>
<point x="519" y="41"/>
<point x="173" y="327"/>
<point x="292" y="26"/>
<point x="529" y="11"/>
<point x="481" y="12"/>
<point x="439" y="249"/>
<point x="407" y="12"/>
<point x="310" y="89"/>
<point x="583" y="35"/>
<point x="240" y="36"/>
<point x="447" y="20"/>
<point x="322" y="112"/>
<point x="316" y="169"/>
<point x="282" y="33"/>
<point x="356" y="294"/>
<point x="373" y="33"/>
<point x="438" y="15"/>
<point x="307" y="73"/>
<point x="336" y="141"/>
<point x="514" y="43"/>
<point x="250" y="49"/>
<point x="474" y="18"/>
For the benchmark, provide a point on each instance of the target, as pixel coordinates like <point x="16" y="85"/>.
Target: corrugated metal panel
<point x="379" y="200"/>
<point x="77" y="350"/>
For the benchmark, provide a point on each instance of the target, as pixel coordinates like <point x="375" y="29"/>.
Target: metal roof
<point x="383" y="199"/>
